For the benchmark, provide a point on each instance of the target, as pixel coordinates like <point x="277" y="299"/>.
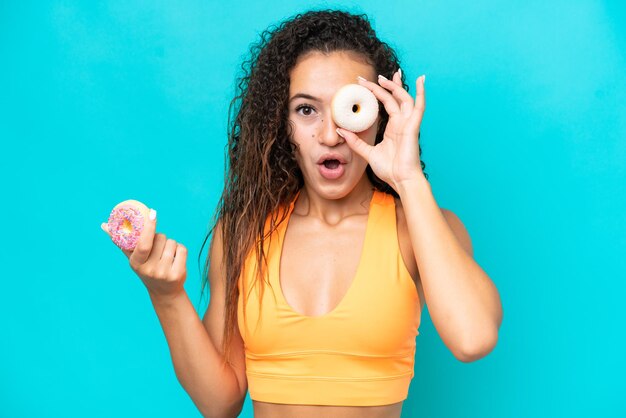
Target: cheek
<point x="301" y="130"/>
<point x="369" y="135"/>
<point x="307" y="131"/>
<point x="304" y="135"/>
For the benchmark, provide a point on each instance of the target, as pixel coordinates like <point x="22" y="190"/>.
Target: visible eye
<point x="306" y="109"/>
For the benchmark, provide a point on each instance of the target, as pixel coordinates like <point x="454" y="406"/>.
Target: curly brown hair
<point x="261" y="173"/>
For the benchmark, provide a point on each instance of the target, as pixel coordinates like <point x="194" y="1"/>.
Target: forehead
<point x="321" y="74"/>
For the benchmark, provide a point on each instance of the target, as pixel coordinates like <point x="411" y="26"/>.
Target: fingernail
<point x="340" y="134"/>
<point x="382" y="76"/>
<point x="152" y="215"/>
<point x="361" y="78"/>
<point x="424" y="79"/>
<point x="400" y="72"/>
<point x="102" y="226"/>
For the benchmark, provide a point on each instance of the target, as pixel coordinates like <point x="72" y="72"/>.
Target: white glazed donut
<point x="354" y="108"/>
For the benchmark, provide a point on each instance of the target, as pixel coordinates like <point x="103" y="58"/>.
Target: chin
<point x="334" y="191"/>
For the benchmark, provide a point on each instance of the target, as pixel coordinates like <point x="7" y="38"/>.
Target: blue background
<point x="524" y="138"/>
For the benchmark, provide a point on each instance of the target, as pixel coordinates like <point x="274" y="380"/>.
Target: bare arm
<point x="161" y="264"/>
<point x="463" y="301"/>
<point x="212" y="386"/>
<point x="217" y="389"/>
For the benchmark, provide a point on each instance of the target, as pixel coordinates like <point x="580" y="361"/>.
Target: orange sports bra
<point x="361" y="353"/>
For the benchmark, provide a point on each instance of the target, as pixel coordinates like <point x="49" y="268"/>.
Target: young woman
<point x="327" y="244"/>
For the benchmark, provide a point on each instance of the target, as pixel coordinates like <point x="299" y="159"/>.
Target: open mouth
<point x="331" y="169"/>
<point x="331" y="164"/>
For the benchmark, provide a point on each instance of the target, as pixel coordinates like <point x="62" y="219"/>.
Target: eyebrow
<point x="304" y="96"/>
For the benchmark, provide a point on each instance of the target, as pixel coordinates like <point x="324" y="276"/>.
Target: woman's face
<point x="313" y="82"/>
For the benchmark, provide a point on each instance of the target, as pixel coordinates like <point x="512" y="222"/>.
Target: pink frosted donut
<point x="126" y="222"/>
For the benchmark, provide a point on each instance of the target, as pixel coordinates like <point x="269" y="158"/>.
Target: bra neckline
<point x="377" y="197"/>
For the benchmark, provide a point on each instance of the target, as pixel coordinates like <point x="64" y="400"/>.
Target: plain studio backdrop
<point x="524" y="138"/>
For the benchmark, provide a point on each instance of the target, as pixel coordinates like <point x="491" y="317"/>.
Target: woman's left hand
<point x="396" y="158"/>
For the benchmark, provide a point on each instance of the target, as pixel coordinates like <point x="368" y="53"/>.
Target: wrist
<point x="166" y="300"/>
<point x="416" y="182"/>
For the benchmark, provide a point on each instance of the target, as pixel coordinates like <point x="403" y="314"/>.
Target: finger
<point x="405" y="99"/>
<point x="390" y="103"/>
<point x="420" y="95"/>
<point x="155" y="253"/>
<point x="167" y="256"/>
<point x="420" y="105"/>
<point x="180" y="261"/>
<point x="397" y="77"/>
<point x="359" y="146"/>
<point x="146" y="240"/>
<point x="157" y="248"/>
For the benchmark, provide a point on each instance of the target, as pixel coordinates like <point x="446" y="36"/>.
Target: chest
<point x="336" y="289"/>
<point x="318" y="263"/>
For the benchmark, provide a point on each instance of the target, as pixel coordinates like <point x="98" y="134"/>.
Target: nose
<point x="328" y="132"/>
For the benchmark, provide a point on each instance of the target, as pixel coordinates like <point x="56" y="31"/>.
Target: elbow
<point x="477" y="348"/>
<point x="210" y="413"/>
<point x="233" y="412"/>
<point x="220" y="415"/>
<point x="236" y="409"/>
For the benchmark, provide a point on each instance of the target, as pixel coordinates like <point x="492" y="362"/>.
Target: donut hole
<point x="127" y="227"/>
<point x="356" y="108"/>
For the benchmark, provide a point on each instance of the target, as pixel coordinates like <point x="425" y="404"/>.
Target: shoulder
<point x="453" y="221"/>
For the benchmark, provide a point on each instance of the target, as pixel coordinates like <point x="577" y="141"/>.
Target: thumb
<point x="355" y="143"/>
<point x="105" y="228"/>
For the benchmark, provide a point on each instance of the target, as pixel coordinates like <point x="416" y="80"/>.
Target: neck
<point x="333" y="210"/>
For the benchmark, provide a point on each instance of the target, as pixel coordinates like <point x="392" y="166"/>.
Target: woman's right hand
<point x="159" y="262"/>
